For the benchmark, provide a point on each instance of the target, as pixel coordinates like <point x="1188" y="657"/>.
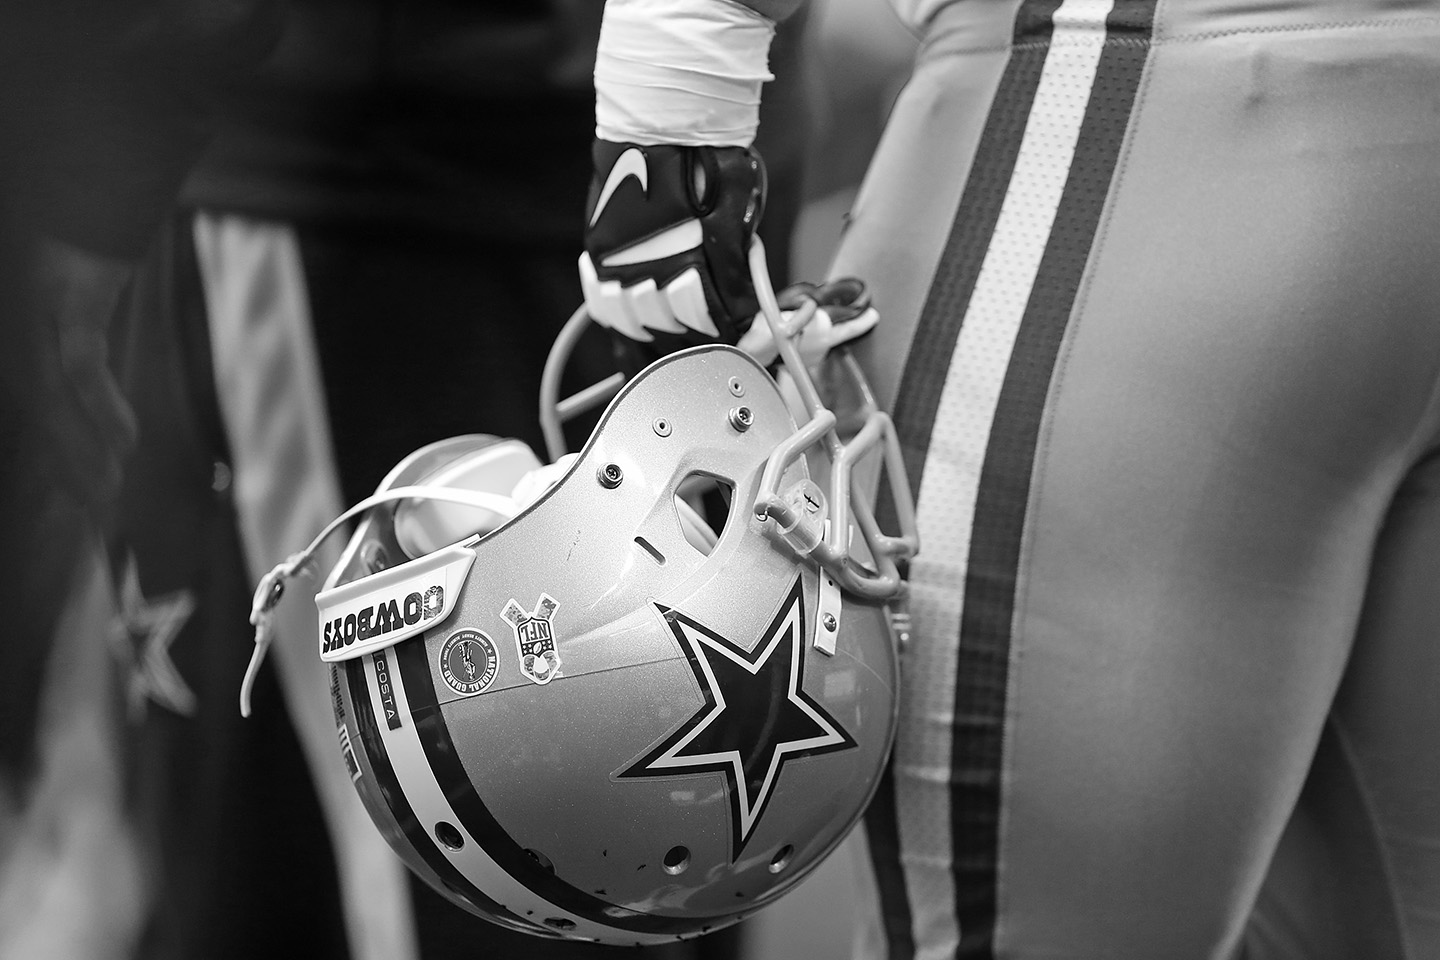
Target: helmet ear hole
<point x="677" y="858"/>
<point x="703" y="506"/>
<point x="448" y="835"/>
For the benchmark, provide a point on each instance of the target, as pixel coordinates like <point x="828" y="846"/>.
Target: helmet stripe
<point x="405" y="818"/>
<point x="410" y="758"/>
<point x="509" y="856"/>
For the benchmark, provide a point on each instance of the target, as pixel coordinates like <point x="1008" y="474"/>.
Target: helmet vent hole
<point x="651" y="549"/>
<point x="541" y="859"/>
<point x="702" y="506"/>
<point x="448" y="835"/>
<point x="677" y="858"/>
<point x="781" y="860"/>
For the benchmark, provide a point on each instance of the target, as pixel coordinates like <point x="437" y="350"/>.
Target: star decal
<point x="141" y="635"/>
<point x="756" y="717"/>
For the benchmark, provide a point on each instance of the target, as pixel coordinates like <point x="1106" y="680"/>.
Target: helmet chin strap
<point x="272" y="585"/>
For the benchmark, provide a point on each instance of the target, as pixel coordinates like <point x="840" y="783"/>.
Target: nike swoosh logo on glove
<point x="685" y="235"/>
<point x="631" y="163"/>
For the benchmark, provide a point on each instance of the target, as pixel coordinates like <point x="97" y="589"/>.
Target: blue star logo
<point x="756" y="718"/>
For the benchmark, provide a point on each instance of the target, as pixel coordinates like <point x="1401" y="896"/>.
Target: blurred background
<point x="377" y="204"/>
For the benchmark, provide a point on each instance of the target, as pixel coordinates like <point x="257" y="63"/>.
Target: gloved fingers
<point x="686" y="295"/>
<point x="642" y="309"/>
<point x="606" y="302"/>
<point x="667" y="235"/>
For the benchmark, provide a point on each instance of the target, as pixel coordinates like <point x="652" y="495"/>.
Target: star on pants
<point x="756" y="717"/>
<point x="141" y="635"/>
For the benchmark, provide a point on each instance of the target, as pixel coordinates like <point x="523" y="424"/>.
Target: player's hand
<point x="667" y="239"/>
<point x="87" y="426"/>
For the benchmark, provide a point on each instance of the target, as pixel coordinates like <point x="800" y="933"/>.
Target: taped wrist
<point x="681" y="72"/>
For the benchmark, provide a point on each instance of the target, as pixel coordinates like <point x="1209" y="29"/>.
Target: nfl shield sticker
<point x="534" y="638"/>
<point x="468" y="662"/>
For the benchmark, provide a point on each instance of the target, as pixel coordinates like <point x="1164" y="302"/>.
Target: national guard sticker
<point x="468" y="661"/>
<point x="534" y="638"/>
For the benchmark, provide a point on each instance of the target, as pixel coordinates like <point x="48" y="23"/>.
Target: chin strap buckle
<point x="262" y="616"/>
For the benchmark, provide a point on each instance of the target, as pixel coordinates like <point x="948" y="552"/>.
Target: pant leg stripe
<point x="882" y="837"/>
<point x="980" y="367"/>
<point x="980" y="204"/>
<point x="993" y="565"/>
<point x="920" y="910"/>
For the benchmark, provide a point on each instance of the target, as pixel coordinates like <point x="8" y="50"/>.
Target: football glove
<point x="667" y="237"/>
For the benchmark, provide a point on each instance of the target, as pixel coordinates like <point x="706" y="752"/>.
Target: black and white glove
<point x="667" y="239"/>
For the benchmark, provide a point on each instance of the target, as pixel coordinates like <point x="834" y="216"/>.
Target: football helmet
<point x="648" y="701"/>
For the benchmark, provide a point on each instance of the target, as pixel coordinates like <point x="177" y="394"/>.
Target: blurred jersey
<point x="103" y="109"/>
<point x="473" y="117"/>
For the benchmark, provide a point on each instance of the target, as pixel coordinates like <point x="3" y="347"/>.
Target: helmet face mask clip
<point x="649" y="701"/>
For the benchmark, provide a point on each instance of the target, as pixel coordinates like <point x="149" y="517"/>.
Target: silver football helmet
<point x="645" y="699"/>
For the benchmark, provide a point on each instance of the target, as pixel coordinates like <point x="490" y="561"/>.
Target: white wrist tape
<point x="683" y="72"/>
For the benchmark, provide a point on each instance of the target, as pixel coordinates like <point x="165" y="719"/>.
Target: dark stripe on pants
<point x="998" y="527"/>
<point x="928" y="361"/>
<point x="975" y="217"/>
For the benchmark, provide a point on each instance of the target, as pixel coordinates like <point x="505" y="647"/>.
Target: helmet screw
<point x="662" y="427"/>
<point x="610" y="476"/>
<point x="830" y="623"/>
<point x="736" y="387"/>
<point x="741" y="418"/>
